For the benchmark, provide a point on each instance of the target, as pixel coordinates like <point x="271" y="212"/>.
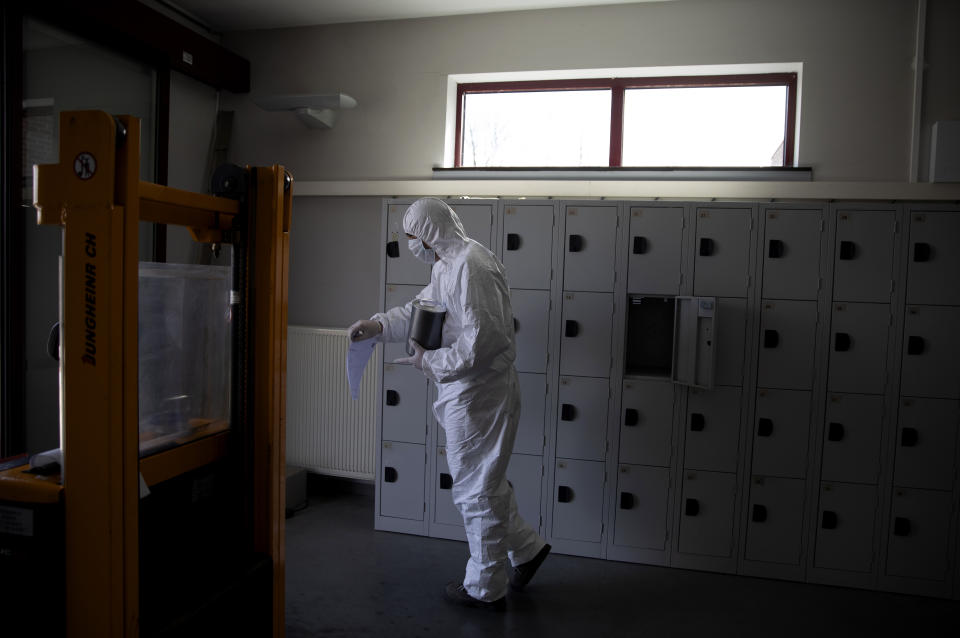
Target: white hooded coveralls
<point x="478" y="399"/>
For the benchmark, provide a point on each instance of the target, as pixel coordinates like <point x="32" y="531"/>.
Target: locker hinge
<point x="891" y="320"/>
<point x="680" y="279"/>
<point x="749" y="278"/>
<point x="896" y="227"/>
<point x="751" y="224"/>
<point x="602" y="527"/>
<point x="819" y="284"/>
<point x="541" y="521"/>
<point x="821" y="226"/>
<point x="424" y="507"/>
<point x="892" y="285"/>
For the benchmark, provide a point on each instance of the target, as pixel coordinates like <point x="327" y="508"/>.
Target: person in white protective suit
<point x="478" y="399"/>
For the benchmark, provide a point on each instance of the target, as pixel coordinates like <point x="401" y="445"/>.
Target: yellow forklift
<point x="164" y="516"/>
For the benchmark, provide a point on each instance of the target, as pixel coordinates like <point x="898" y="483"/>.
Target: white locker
<point x="531" y="314"/>
<point x="791" y="257"/>
<point x="525" y="474"/>
<point x="851" y="438"/>
<point x="397" y="295"/>
<point x="402" y="266"/>
<point x="931" y="352"/>
<point x="863" y="257"/>
<point x="477" y="220"/>
<point x="444" y="511"/>
<point x="402" y="480"/>
<point x="788" y="333"/>
<point x="722" y="252"/>
<point x="919" y="534"/>
<point x="858" y="347"/>
<point x="712" y="430"/>
<point x="646" y="426"/>
<point x="590" y="248"/>
<point x="641" y="514"/>
<point x="707" y="507"/>
<point x="527" y="245"/>
<point x="926" y="444"/>
<point x="731" y="339"/>
<point x="587" y="319"/>
<point x="934" y="258"/>
<point x="781" y="433"/>
<point x="656" y="236"/>
<point x="533" y="403"/>
<point x="845" y="527"/>
<point x="775" y="520"/>
<point x="578" y="500"/>
<point x="582" y="418"/>
<point x="404" y="404"/>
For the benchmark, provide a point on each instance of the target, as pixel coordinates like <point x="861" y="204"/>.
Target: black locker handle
<point x="564" y="494"/>
<point x="771" y="338"/>
<point x="764" y="427"/>
<point x="513" y="241"/>
<point x="901" y="526"/>
<point x="759" y="513"/>
<point x="841" y="342"/>
<point x="828" y="520"/>
<point x="626" y="501"/>
<point x="393" y="397"/>
<point x="775" y="250"/>
<point x="567" y="412"/>
<point x="915" y="345"/>
<point x="921" y="251"/>
<point x="571" y="328"/>
<point x="446" y="481"/>
<point x="389" y="475"/>
<point x="639" y="245"/>
<point x="696" y="422"/>
<point x="909" y="437"/>
<point x="516" y="325"/>
<point x="706" y="246"/>
<point x="848" y="250"/>
<point x="631" y="417"/>
<point x="576" y="243"/>
<point x="393" y="249"/>
<point x="691" y="507"/>
<point x="835" y="432"/>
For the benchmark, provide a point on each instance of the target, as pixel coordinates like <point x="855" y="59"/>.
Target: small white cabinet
<point x="791" y="254"/>
<point x="646" y="425"/>
<point x="589" y="248"/>
<point x="722" y="252"/>
<point x="527" y="245"/>
<point x="656" y="234"/>
<point x="641" y="507"/>
<point x="847" y="517"/>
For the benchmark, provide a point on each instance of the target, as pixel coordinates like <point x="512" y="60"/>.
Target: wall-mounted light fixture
<point x="315" y="111"/>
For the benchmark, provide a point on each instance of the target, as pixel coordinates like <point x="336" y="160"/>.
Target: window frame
<point x="618" y="88"/>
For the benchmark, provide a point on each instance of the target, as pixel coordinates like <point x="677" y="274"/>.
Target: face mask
<point x="426" y="255"/>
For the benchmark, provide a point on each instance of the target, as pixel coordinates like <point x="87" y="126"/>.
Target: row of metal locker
<point x="825" y="447"/>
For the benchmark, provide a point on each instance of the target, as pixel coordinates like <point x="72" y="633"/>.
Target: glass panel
<point x="536" y="128"/>
<point x="704" y="126"/>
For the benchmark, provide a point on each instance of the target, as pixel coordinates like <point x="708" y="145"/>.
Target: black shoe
<point x="457" y="594"/>
<point x="522" y="574"/>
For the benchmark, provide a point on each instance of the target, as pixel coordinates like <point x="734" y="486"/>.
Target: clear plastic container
<point x="185" y="326"/>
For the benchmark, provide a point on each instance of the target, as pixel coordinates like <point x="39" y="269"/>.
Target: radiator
<point x="327" y="431"/>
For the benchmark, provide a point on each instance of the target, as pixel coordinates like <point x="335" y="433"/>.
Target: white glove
<point x="417" y="359"/>
<point x="364" y="329"/>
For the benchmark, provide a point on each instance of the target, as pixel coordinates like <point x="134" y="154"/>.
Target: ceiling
<point x="238" y="15"/>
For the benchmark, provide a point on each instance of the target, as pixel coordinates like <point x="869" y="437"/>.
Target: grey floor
<point x="345" y="579"/>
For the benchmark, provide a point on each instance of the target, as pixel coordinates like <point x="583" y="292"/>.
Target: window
<point x="690" y="121"/>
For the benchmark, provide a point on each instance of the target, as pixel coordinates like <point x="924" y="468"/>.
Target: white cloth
<point x="478" y="399"/>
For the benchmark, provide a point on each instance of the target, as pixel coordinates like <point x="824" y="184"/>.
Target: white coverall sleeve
<point x="396" y="321"/>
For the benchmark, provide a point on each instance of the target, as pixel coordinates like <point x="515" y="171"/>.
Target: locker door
<point x="586" y="329"/>
<point x="706" y="521"/>
<point x="582" y="418"/>
<point x="863" y="269"/>
<point x="444" y="511"/>
<point x="926" y="444"/>
<point x="590" y="248"/>
<point x="527" y="245"/>
<point x="712" y="430"/>
<point x="531" y="314"/>
<point x="851" y="439"/>
<point x="775" y="520"/>
<point x="646" y="425"/>
<point x="722" y="252"/>
<point x="402" y="266"/>
<point x="919" y="534"/>
<point x="404" y="404"/>
<point x="791" y="257"/>
<point x="731" y="337"/>
<point x="401" y="480"/>
<point x="641" y="516"/>
<point x="655" y="243"/>
<point x="394" y="296"/>
<point x="477" y="220"/>
<point x="533" y="403"/>
<point x="788" y="333"/>
<point x="781" y="433"/>
<point x="578" y="507"/>
<point x="858" y="347"/>
<point x="525" y="473"/>
<point x="934" y="258"/>
<point x="931" y="352"/>
<point x="845" y="527"/>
